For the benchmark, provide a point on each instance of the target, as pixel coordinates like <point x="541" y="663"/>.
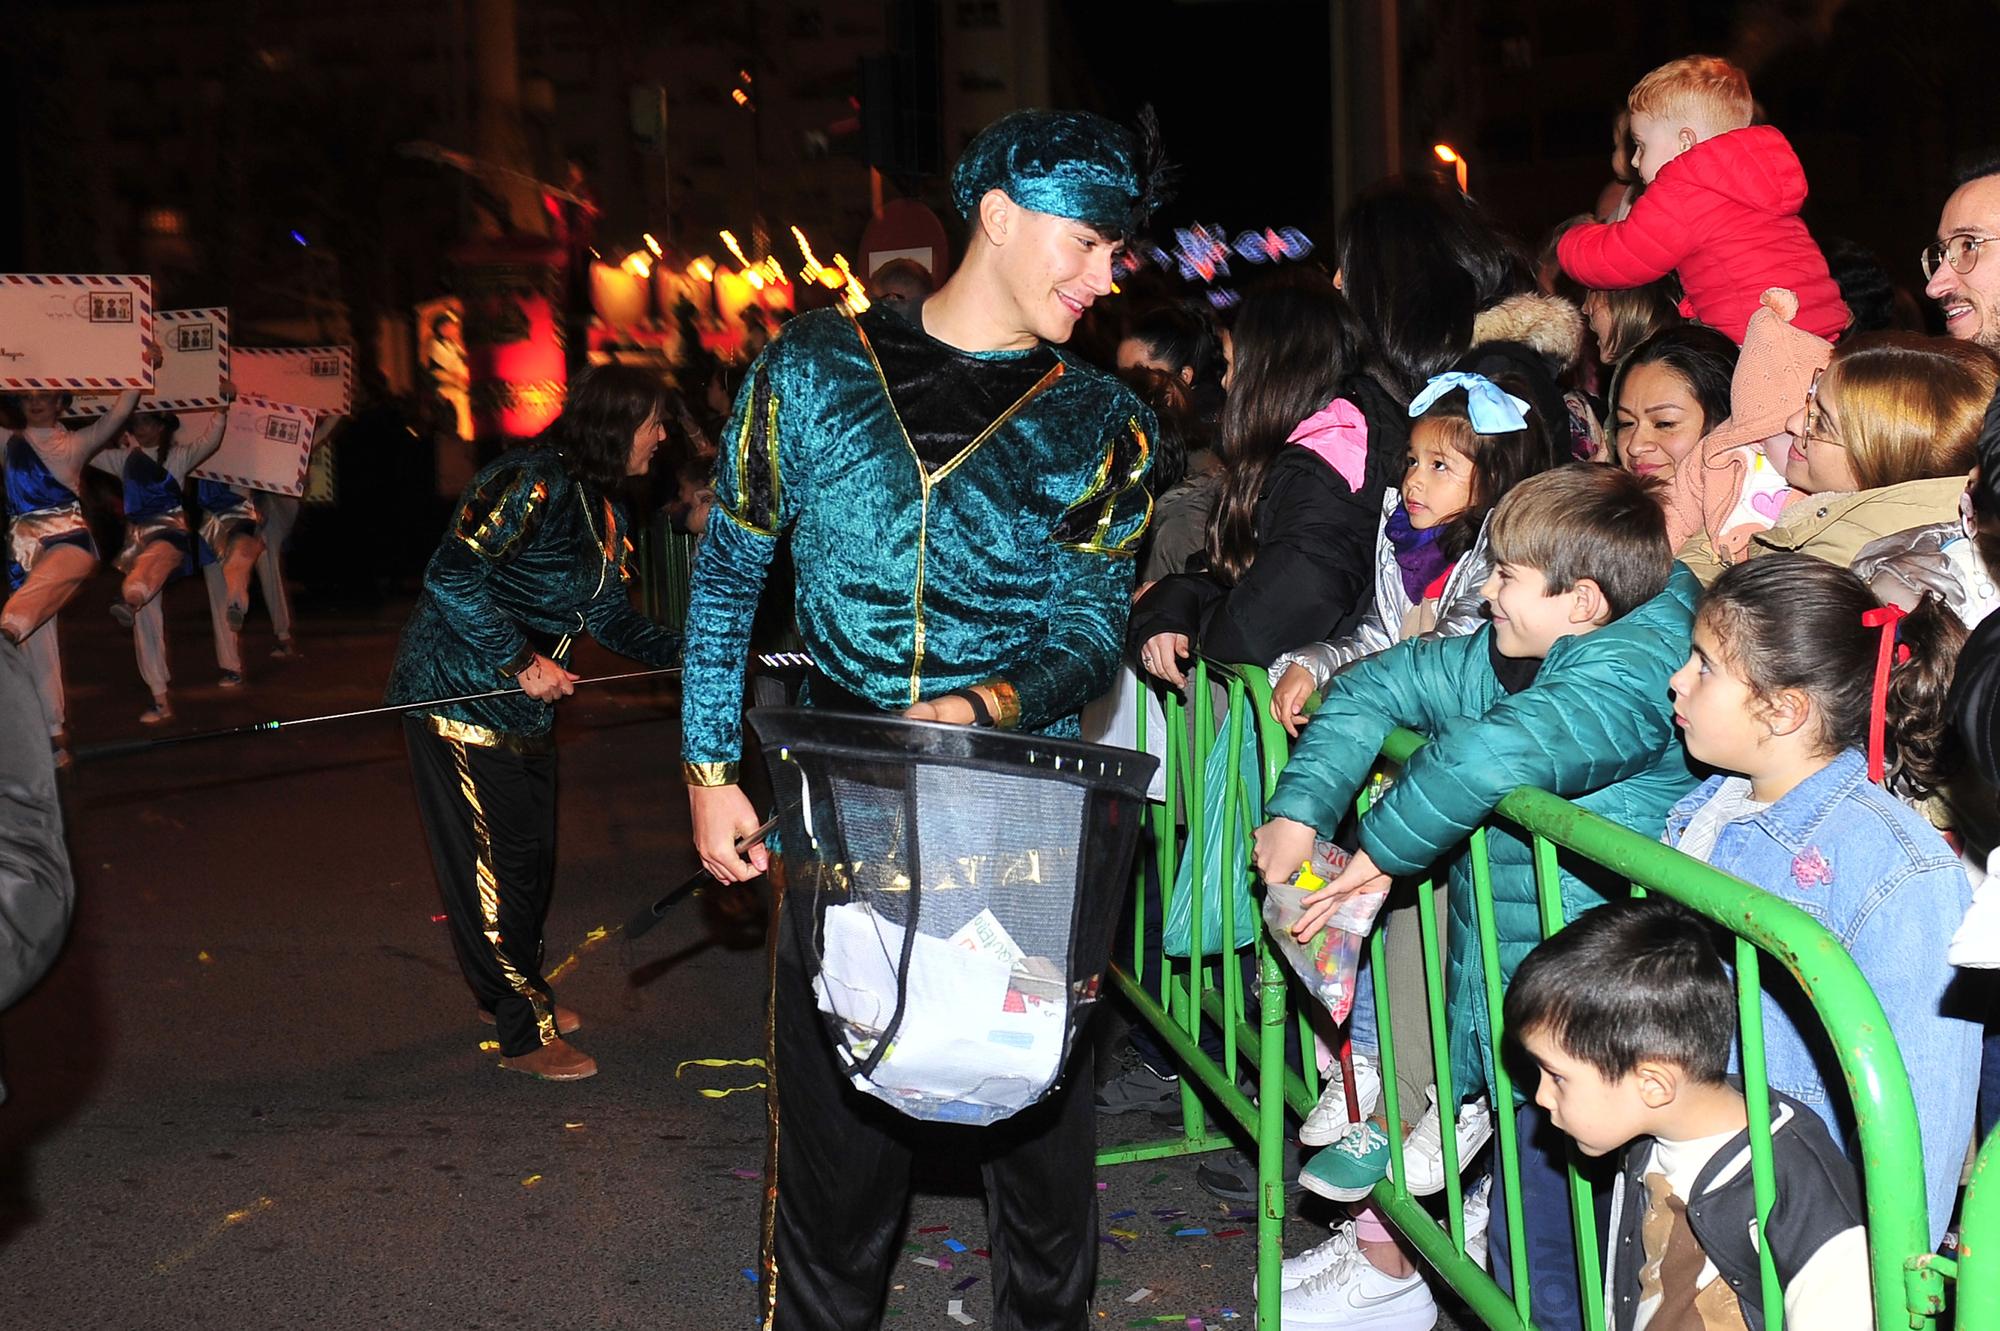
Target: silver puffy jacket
<point x="1461" y="609"/>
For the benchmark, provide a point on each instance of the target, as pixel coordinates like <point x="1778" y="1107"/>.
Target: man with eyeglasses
<point x="1967" y="289"/>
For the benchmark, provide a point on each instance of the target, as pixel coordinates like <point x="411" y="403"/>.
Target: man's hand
<point x="545" y="681"/>
<point x="1288" y="700"/>
<point x="951" y="711"/>
<point x="1162" y="656"/>
<point x="721" y="815"/>
<point x="1282" y="846"/>
<point x="1360" y="876"/>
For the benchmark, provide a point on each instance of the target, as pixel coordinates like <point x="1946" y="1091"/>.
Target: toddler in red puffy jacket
<point x="1721" y="206"/>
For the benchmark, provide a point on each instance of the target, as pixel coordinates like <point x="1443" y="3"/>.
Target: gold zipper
<point x="926" y="480"/>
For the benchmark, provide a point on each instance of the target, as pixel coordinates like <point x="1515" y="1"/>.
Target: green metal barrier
<point x="1187" y="997"/>
<point x="1978" y="1265"/>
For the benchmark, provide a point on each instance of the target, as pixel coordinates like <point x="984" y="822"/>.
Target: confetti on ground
<point x="590" y="940"/>
<point x="531" y="1180"/>
<point x="204" y="958"/>
<point x="489" y="1046"/>
<point x="955" y="1310"/>
<point x="745" y="1173"/>
<point x="749" y="1275"/>
<point x="966" y="1284"/>
<point x="913" y="1247"/>
<point x="1227" y="1233"/>
<point x="944" y="1264"/>
<point x="705" y="1092"/>
<point x="229" y="1221"/>
<point x="1192" y="1231"/>
<point x="1123" y="1215"/>
<point x="1157" y="1178"/>
<point x="931" y="1262"/>
<point x="1195" y="1324"/>
<point x="1168" y="1214"/>
<point x="1229" y="1314"/>
<point x="1101" y="1187"/>
<point x="1242" y="1215"/>
<point x="1139" y="1295"/>
<point x="935" y="1229"/>
<point x="1107" y="1240"/>
<point x="437" y="919"/>
<point x="981" y="1252"/>
<point x="1126" y="1233"/>
<point x="954" y="1245"/>
<point x="573" y="1127"/>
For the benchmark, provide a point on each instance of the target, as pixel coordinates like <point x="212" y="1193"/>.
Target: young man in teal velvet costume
<point x="963" y="502"/>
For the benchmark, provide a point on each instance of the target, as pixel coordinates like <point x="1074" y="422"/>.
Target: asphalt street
<point x="253" y="1092"/>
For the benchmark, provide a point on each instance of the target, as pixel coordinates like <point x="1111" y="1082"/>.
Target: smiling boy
<point x="1565" y="691"/>
<point x="1630" y="1015"/>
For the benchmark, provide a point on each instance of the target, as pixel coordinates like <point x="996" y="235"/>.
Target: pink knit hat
<point x="1772" y="374"/>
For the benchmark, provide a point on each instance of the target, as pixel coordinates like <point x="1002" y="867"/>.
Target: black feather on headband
<point x="1158" y="177"/>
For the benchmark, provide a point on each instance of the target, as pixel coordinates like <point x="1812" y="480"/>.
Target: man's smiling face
<point x="1971" y="300"/>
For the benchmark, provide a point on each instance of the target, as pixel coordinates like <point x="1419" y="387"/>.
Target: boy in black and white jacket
<point x="1631" y="1015"/>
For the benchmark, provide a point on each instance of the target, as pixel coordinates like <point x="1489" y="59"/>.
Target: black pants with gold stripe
<point x="489" y="813"/>
<point x="843" y="1179"/>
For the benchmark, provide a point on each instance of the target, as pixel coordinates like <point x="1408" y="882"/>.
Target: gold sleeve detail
<point x="1002" y="701"/>
<point x="709" y="774"/>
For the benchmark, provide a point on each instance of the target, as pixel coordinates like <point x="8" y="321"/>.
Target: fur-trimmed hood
<point x="1550" y="325"/>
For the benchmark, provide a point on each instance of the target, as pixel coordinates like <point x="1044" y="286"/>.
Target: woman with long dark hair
<point x="533" y="559"/>
<point x="1309" y="443"/>
<point x="1418" y="262"/>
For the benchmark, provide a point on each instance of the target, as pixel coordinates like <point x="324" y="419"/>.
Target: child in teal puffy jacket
<point x="1566" y="691"/>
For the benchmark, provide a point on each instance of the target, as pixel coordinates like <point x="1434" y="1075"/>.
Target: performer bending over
<point x="963" y="502"/>
<point x="534" y="557"/>
<point x="51" y="553"/>
<point x="152" y="472"/>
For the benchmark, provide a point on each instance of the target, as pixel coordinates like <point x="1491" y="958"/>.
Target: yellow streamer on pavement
<point x="707" y="1094"/>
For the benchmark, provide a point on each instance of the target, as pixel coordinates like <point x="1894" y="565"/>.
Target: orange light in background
<point x="638" y="265"/>
<point x="1449" y="156"/>
<point x="738" y="96"/>
<point x="652" y="245"/>
<point x="729" y="239"/>
<point x="755" y="278"/>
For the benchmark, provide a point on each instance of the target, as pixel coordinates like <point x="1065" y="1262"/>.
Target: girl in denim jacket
<point x="1816" y="726"/>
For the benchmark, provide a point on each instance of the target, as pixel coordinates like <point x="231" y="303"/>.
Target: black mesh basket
<point x="960" y="886"/>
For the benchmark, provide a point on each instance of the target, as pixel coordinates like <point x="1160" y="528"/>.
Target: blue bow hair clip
<point x="1492" y="410"/>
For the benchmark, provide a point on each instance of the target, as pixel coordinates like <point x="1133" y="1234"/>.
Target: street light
<point x="1449" y="156"/>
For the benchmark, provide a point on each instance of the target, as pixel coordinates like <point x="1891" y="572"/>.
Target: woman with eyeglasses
<point x="1885" y="441"/>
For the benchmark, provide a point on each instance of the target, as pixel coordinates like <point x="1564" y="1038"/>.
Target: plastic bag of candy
<point x="1330" y="960"/>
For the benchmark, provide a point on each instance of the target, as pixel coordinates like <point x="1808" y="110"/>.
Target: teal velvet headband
<point x="1066" y="163"/>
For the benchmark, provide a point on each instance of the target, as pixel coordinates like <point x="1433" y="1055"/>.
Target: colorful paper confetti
<point x="1139" y="1295"/>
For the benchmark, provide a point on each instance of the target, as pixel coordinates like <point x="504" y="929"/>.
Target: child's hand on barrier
<point x="1288" y="700"/>
<point x="1360" y="875"/>
<point x="1282" y="846"/>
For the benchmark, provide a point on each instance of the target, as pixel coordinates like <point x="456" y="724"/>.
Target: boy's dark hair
<point x="1633" y="980"/>
<point x="1586" y="520"/>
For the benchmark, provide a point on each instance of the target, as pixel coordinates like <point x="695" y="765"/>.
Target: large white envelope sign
<point x="83" y="332"/>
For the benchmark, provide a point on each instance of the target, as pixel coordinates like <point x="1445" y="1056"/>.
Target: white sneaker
<point x="1295" y="1271"/>
<point x="1328" y="1120"/>
<point x="1424" y="1150"/>
<point x="1478" y="1209"/>
<point x="1350" y="1292"/>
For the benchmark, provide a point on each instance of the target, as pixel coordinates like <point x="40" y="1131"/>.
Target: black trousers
<point x="842" y="1181"/>
<point x="489" y="813"/>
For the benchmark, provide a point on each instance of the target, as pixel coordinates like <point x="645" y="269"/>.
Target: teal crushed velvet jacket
<point x="529" y="552"/>
<point x="1006" y="562"/>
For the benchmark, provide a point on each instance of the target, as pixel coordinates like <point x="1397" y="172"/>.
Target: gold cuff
<point x="1003" y="702"/>
<point x="709" y="774"/>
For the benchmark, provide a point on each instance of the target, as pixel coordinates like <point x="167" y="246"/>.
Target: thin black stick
<point x="123" y="747"/>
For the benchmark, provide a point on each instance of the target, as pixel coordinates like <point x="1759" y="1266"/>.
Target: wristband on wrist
<point x="982" y="710"/>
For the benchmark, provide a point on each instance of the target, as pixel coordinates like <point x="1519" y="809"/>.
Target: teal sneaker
<point x="1349" y="1169"/>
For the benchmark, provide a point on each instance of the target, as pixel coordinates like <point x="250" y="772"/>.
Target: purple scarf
<point x="1417" y="554"/>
